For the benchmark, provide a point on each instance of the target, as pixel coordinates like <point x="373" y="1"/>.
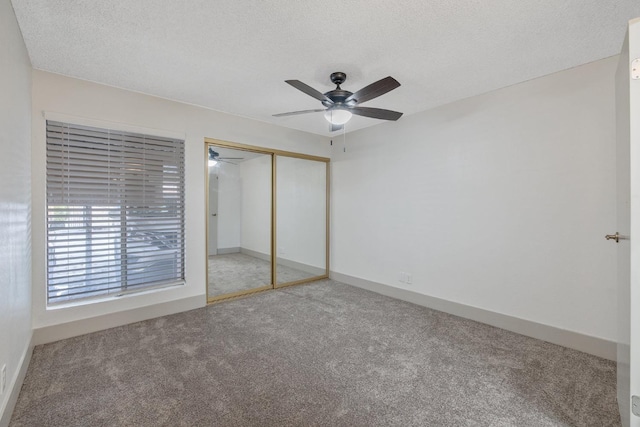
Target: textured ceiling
<point x="234" y="55"/>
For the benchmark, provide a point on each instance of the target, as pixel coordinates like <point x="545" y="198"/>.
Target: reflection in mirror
<point x="301" y="200"/>
<point x="239" y="215"/>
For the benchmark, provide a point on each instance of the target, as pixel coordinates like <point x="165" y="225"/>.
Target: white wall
<point x="68" y="96"/>
<point x="229" y="205"/>
<point x="15" y="200"/>
<point x="500" y="201"/>
<point x="301" y="193"/>
<point x="256" y="204"/>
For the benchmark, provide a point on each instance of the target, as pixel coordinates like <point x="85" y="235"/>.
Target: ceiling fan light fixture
<point x="337" y="116"/>
<point x="212" y="163"/>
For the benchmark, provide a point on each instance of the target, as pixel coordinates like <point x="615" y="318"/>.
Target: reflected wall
<point x="301" y="219"/>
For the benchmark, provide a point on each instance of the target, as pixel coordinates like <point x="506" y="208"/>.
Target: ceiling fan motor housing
<point x="338" y="95"/>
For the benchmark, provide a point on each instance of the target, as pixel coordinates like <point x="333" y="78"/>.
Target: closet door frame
<point x="274" y="154"/>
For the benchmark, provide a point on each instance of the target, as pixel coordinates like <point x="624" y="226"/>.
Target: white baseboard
<point x="15" y="385"/>
<point x="256" y="254"/>
<point x="597" y="346"/>
<point x="75" y="328"/>
<point x="313" y="270"/>
<point x="224" y="251"/>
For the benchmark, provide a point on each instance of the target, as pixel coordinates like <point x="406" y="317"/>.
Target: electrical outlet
<point x="3" y="378"/>
<point x="405" y="277"/>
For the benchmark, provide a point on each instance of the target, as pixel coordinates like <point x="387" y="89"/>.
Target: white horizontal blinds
<point x="115" y="211"/>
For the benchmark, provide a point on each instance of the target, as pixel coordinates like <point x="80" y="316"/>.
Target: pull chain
<point x="344" y="139"/>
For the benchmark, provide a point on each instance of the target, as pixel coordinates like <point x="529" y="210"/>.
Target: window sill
<point x="114" y="297"/>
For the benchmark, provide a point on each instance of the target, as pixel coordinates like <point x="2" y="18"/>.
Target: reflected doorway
<point x="213" y="212"/>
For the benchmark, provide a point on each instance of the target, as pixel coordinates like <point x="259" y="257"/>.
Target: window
<point x="115" y="212"/>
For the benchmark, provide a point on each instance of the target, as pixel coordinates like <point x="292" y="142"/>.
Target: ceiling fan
<point x="214" y="157"/>
<point x="341" y="104"/>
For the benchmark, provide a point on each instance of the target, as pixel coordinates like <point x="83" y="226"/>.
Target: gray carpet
<point x="235" y="272"/>
<point x="321" y="354"/>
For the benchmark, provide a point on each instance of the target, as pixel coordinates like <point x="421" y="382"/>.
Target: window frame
<point x="124" y="288"/>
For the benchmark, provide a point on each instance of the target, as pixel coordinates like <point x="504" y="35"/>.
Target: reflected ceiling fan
<point x="341" y="104"/>
<point x="214" y="157"/>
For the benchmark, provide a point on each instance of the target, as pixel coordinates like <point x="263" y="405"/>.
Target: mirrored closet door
<point x="301" y="219"/>
<point x="267" y="219"/>
<point x="238" y="221"/>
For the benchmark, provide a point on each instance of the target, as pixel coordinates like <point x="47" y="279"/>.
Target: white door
<point x="213" y="213"/>
<point x="628" y="218"/>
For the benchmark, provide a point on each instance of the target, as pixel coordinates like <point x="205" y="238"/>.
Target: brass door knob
<point x="617" y="237"/>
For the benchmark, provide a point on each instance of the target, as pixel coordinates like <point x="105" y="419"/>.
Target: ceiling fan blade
<point x="231" y="158"/>
<point x="334" y="128"/>
<point x="303" y="87"/>
<point x="376" y="113"/>
<point x="295" y="113"/>
<point x="374" y="90"/>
